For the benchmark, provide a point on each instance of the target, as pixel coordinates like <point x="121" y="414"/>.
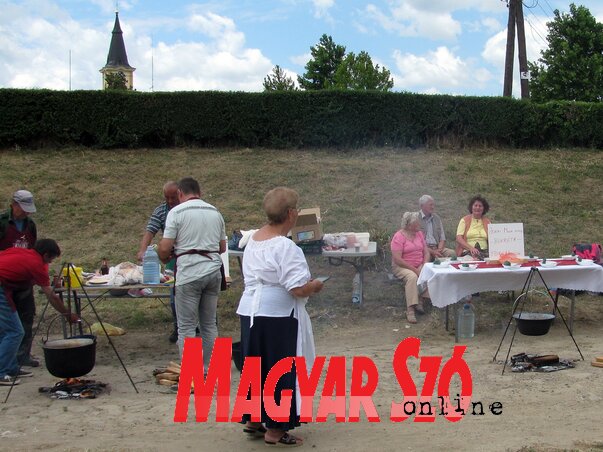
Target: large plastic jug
<point x="465" y="322"/>
<point x="356" y="289"/>
<point x="151" y="267"/>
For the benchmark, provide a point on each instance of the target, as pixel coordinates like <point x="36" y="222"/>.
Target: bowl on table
<point x="548" y="264"/>
<point x="511" y="266"/>
<point x="585" y="261"/>
<point x="441" y="263"/>
<point x="467" y="267"/>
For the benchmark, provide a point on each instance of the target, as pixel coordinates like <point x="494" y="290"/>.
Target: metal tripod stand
<point x="70" y="271"/>
<point x="524" y="291"/>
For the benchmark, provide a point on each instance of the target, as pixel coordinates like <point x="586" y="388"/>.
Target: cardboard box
<point x="308" y="226"/>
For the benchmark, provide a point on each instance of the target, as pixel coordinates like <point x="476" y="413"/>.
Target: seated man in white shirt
<point x="432" y="227"/>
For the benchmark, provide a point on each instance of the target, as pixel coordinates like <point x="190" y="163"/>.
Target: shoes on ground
<point x="255" y="432"/>
<point x="173" y="337"/>
<point x="24" y="373"/>
<point x="285" y="441"/>
<point x="7" y="380"/>
<point x="31" y="362"/>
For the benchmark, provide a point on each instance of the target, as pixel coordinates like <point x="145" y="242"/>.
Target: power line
<point x="544" y="26"/>
<point x="549" y="5"/>
<point x="534" y="30"/>
<point x="545" y="13"/>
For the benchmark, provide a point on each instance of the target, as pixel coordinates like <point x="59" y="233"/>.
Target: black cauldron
<point x="533" y="323"/>
<point x="70" y="358"/>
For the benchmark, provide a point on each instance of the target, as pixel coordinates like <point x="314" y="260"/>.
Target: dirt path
<point x="559" y="409"/>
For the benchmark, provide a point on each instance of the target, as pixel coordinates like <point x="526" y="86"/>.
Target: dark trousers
<point x="26" y="308"/>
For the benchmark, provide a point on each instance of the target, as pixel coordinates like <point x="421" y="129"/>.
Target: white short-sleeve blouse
<point x="270" y="269"/>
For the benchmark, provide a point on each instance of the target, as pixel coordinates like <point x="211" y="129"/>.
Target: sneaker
<point x="173" y="337"/>
<point x="7" y="380"/>
<point x="24" y="373"/>
<point x="31" y="362"/>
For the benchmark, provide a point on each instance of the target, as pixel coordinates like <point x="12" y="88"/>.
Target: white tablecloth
<point x="449" y="285"/>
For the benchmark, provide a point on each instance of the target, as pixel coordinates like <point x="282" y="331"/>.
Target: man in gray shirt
<point x="195" y="234"/>
<point x="432" y="227"/>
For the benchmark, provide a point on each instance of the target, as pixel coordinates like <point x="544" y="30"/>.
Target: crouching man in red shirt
<point x="20" y="267"/>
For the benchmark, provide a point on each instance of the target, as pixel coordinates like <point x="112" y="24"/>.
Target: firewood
<point x="167" y="376"/>
<point x="174" y="370"/>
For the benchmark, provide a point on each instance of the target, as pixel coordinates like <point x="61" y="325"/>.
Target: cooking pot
<point x="71" y="357"/>
<point x="533" y="323"/>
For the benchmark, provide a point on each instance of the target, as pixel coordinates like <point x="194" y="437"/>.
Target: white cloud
<point x="35" y="46"/>
<point x="439" y="70"/>
<point x="322" y="7"/>
<point x="301" y="60"/>
<point x="406" y="19"/>
<point x="491" y="25"/>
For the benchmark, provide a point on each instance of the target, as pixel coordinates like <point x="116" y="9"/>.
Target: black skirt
<point x="272" y="339"/>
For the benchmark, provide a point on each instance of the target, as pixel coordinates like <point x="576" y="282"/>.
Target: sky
<point x="429" y="46"/>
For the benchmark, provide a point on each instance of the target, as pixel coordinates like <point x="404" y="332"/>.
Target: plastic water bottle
<point x="465" y="322"/>
<point x="356" y="289"/>
<point x="150" y="266"/>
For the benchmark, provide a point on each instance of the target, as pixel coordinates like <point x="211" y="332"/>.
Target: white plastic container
<point x="151" y="268"/>
<point x="465" y="322"/>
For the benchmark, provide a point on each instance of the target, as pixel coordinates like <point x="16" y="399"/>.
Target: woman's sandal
<point x="285" y="441"/>
<point x="410" y="316"/>
<point x="255" y="432"/>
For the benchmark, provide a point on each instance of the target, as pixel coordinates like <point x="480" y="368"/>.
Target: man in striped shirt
<point x="157" y="222"/>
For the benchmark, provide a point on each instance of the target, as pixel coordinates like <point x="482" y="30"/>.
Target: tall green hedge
<point x="290" y="119"/>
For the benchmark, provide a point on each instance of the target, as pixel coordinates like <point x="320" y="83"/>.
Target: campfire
<point x="75" y="388"/>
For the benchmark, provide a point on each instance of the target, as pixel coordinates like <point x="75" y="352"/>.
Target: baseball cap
<point x="25" y="200"/>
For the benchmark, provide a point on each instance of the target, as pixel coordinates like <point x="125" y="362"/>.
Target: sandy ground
<point x="558" y="410"/>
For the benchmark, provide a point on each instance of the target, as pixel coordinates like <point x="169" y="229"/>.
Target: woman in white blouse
<point x="274" y="321"/>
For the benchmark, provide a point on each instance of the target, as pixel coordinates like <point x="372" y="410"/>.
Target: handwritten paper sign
<point x="505" y="238"/>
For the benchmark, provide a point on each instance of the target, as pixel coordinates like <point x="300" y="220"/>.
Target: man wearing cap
<point x="18" y="230"/>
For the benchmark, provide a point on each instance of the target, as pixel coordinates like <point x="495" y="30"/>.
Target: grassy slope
<point x="95" y="203"/>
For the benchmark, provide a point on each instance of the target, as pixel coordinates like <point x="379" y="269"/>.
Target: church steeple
<point x="117" y="58"/>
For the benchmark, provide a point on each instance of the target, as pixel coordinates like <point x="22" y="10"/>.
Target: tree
<point x="357" y="72"/>
<point x="116" y="80"/>
<point x="278" y="81"/>
<point x="571" y="68"/>
<point x="321" y="69"/>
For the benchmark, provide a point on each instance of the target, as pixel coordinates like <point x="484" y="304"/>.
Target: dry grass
<point x="96" y="203"/>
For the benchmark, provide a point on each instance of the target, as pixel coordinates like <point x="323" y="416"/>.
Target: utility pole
<point x="524" y="74"/>
<point x="516" y="20"/>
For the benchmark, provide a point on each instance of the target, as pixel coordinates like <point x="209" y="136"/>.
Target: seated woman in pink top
<point x="409" y="253"/>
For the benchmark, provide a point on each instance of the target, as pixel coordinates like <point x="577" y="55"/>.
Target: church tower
<point x="117" y="59"/>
